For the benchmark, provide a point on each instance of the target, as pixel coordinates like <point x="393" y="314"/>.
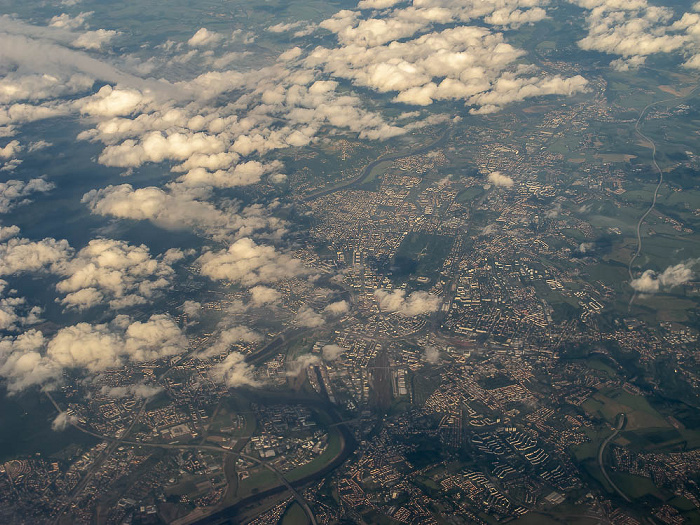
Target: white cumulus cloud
<point x="249" y="263"/>
<point x="653" y="282"/>
<point x="416" y="303"/>
<point x="499" y="179"/>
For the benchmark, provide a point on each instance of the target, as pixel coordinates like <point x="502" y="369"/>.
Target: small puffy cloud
<point x="301" y="363"/>
<point x="653" y="282"/>
<point x="586" y="247"/>
<point x="16" y="87"/>
<point x="19" y="255"/>
<point x="228" y="337"/>
<point x="138" y="391"/>
<point x="240" y="333"/>
<point x="285" y="27"/>
<point x="499" y="179"/>
<point x="309" y="29"/>
<point x="204" y="37"/>
<point x="22" y="113"/>
<point x="469" y="63"/>
<point x="260" y="295"/>
<point x="95" y="40"/>
<point x="635" y="30"/>
<point x="631" y="63"/>
<point x="309" y="318"/>
<point x="377" y="4"/>
<point x="431" y="355"/>
<point x="10" y="149"/>
<point x="678" y="274"/>
<point x="65" y="21"/>
<point x="22" y="364"/>
<point x="648" y="282"/>
<point x="332" y="352"/>
<point x="158" y="337"/>
<point x="243" y="174"/>
<point x="14" y="312"/>
<point x="157" y="147"/>
<point x="249" y="263"/>
<point x="177" y="210"/>
<point x="554" y="212"/>
<point x="416" y="303"/>
<point x="38" y="146"/>
<point x="112" y="102"/>
<point x="514" y="18"/>
<point x="192" y="309"/>
<point x="17" y="192"/>
<point x="7" y="232"/>
<point x="62" y="421"/>
<point x="337" y="308"/>
<point x="104" y="271"/>
<point x="234" y="372"/>
<point x="112" y="270"/>
<point x="290" y="54"/>
<point x="98" y="347"/>
<point x="174" y="255"/>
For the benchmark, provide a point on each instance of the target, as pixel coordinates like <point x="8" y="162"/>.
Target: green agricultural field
<point x="638" y="411"/>
<point x="538" y="518"/>
<point x="635" y="486"/>
<point x="590" y="467"/>
<point x="666" y="307"/>
<point x="668" y="439"/>
<point x="692" y="516"/>
<point x="585" y="450"/>
<point x="259" y="480"/>
<point x="682" y="503"/>
<point x="294" y="515"/>
<point x="658" y="248"/>
<point x="611" y="273"/>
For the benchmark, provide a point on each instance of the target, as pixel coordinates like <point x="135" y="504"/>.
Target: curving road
<point x="644" y="137"/>
<point x="601" y="451"/>
<point x="115" y="442"/>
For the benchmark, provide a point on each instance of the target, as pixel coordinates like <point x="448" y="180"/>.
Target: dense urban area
<point x="492" y="318"/>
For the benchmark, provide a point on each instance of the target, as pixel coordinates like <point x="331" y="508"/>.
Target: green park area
<point x="423" y="254"/>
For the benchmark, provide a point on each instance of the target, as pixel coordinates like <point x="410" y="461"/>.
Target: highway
<point x="115" y="442"/>
<point x="601" y="452"/>
<point x="273" y="346"/>
<point x="216" y="517"/>
<point x="637" y="129"/>
<point x="635" y="255"/>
